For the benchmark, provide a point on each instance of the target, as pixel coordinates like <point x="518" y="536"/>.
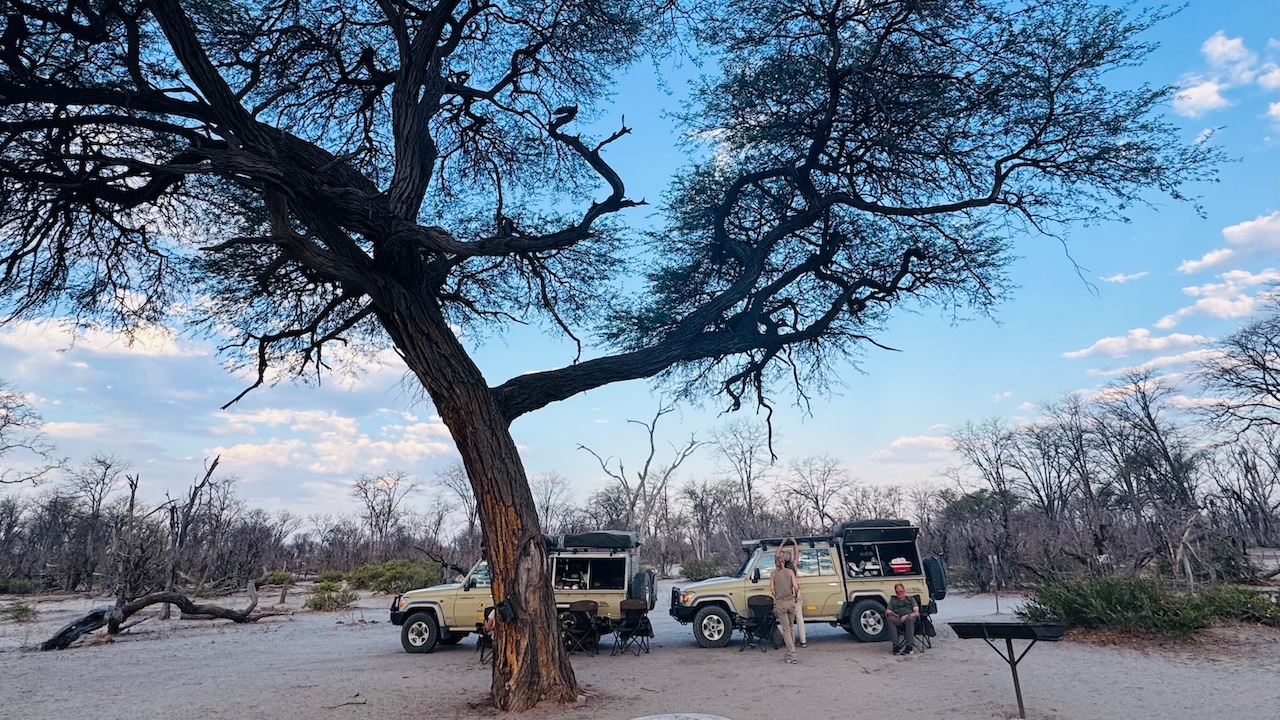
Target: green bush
<point x="394" y="576"/>
<point x="332" y="576"/>
<point x="331" y="596"/>
<point x="1230" y="602"/>
<point x="1138" y="604"/>
<point x="281" y="577"/>
<point x="20" y="612"/>
<point x="695" y="569"/>
<point x="19" y="586"/>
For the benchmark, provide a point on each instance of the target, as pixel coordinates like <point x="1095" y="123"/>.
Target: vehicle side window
<point x="608" y="573"/>
<point x="480" y="575"/>
<point x="814" y="561"/>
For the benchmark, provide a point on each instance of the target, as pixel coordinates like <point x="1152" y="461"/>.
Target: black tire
<point x="935" y="578"/>
<point x="712" y="627"/>
<point x="452" y="638"/>
<point x="642" y="588"/>
<point x="867" y="622"/>
<point x="420" y="633"/>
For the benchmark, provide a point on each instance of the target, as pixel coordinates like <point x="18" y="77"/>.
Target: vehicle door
<point x="473" y="597"/>
<point x="820" y="586"/>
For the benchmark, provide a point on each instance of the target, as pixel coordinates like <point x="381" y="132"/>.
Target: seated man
<point x="901" y="615"/>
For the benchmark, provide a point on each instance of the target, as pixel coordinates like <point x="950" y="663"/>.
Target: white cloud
<point x="1270" y="79"/>
<point x="1178" y="360"/>
<point x="1234" y="297"/>
<point x="1260" y="236"/>
<point x="77" y="430"/>
<point x="53" y="337"/>
<point x="1002" y="395"/>
<point x="1137" y="340"/>
<point x="1123" y="278"/>
<point x="1199" y="99"/>
<point x="918" y="449"/>
<point x="1273" y="111"/>
<point x="1231" y="57"/>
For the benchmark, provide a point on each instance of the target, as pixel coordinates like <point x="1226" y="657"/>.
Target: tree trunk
<point x="529" y="662"/>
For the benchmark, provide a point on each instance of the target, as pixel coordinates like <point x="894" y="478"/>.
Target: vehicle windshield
<point x="479" y="575"/>
<point x="746" y="562"/>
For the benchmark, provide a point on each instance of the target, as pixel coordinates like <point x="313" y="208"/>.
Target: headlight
<point x="686" y="598"/>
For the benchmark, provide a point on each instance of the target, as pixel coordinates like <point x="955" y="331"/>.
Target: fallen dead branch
<point x="113" y="616"/>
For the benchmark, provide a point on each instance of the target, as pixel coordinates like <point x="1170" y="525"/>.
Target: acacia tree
<point x="311" y="176"/>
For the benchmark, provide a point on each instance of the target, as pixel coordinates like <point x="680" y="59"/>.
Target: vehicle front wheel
<point x="711" y="627"/>
<point x="867" y="620"/>
<point x="420" y="633"/>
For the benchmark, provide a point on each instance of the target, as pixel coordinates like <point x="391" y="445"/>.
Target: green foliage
<point x="394" y="576"/>
<point x="1141" y="604"/>
<point x="333" y="576"/>
<point x="1231" y="602"/>
<point x="20" y="612"/>
<point x="281" y="577"/>
<point x="331" y="596"/>
<point x="696" y="569"/>
<point x="19" y="586"/>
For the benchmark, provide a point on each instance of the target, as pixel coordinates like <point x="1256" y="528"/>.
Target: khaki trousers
<point x="786" y="614"/>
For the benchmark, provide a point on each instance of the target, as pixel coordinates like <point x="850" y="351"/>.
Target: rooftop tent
<point x="607" y="539"/>
<point x="880" y="530"/>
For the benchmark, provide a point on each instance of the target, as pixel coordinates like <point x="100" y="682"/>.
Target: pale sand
<point x="309" y="664"/>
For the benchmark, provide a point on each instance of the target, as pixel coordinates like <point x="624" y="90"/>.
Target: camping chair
<point x="633" y="632"/>
<point x="579" y="628"/>
<point x="484" y="636"/>
<point x="925" y="631"/>
<point x="760" y="625"/>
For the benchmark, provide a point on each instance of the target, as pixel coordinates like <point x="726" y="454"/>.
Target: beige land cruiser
<point x="600" y="566"/>
<point x="845" y="579"/>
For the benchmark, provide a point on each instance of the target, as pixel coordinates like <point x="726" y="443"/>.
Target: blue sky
<point x="1154" y="290"/>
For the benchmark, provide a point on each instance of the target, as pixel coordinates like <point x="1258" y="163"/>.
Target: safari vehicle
<point x="845" y="579"/>
<point x="600" y="566"/>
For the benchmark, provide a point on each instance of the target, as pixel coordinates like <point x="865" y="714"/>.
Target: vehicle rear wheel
<point x="867" y="621"/>
<point x="711" y="627"/>
<point x="420" y="633"/>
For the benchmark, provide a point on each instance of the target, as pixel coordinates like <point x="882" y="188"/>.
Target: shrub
<point x="331" y="596"/>
<point x="1123" y="603"/>
<point x="20" y="612"/>
<point x="281" y="577"/>
<point x="695" y="569"/>
<point x="394" y="576"/>
<point x="19" y="586"/>
<point x="332" y="576"/>
<point x="1230" y="602"/>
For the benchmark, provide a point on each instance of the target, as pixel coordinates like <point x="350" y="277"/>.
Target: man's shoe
<point x="897" y="650"/>
<point x="907" y="650"/>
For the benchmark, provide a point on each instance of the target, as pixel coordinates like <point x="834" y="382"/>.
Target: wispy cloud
<point x="1137" y="341"/>
<point x="1237" y="296"/>
<point x="918" y="449"/>
<point x="1251" y="238"/>
<point x="1123" y="278"/>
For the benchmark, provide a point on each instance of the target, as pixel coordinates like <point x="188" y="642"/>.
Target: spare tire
<point x="935" y="577"/>
<point x="642" y="588"/>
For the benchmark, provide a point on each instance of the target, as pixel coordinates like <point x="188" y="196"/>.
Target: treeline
<point x="1143" y="477"/>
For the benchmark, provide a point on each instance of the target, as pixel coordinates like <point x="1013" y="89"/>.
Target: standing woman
<point x="782" y="584"/>
<point x="793" y="562"/>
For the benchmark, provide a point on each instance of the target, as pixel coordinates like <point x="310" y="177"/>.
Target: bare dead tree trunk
<point x="113" y="616"/>
<point x="180" y="525"/>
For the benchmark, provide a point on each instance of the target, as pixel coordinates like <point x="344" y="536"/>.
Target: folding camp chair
<point x="633" y="632"/>
<point x="760" y="625"/>
<point x="925" y="631"/>
<point x="579" y="628"/>
<point x="484" y="636"/>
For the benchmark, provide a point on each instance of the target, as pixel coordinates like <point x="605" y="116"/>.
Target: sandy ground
<point x="349" y="665"/>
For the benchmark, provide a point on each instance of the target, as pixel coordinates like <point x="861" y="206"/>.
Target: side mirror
<point x="755" y="575"/>
<point x="468" y="583"/>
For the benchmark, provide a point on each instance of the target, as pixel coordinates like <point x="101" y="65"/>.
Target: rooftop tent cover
<point x="609" y="539"/>
<point x="880" y="530"/>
